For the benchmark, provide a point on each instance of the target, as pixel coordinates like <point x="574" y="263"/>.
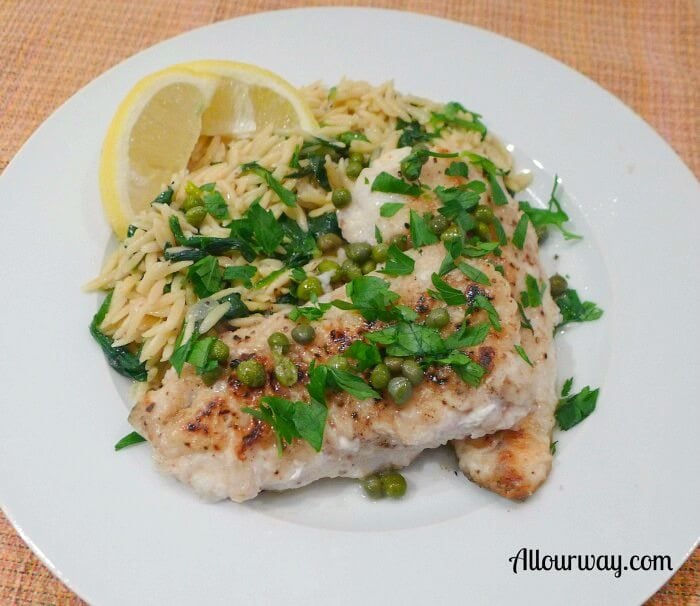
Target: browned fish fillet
<point x="200" y="435"/>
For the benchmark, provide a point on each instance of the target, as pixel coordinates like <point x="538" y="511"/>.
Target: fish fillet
<point x="201" y="436"/>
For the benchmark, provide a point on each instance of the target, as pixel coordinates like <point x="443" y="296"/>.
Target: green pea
<point x="278" y="342"/>
<point x="437" y="318"/>
<point x="401" y="241"/>
<point x="309" y="287"/>
<point x="358" y="251"/>
<point x="412" y="371"/>
<point x="438" y="224"/>
<point x="195" y="216"/>
<point x="483" y="214"/>
<point x="338" y="363"/>
<point x="393" y="364"/>
<point x="211" y="376"/>
<point x="393" y="484"/>
<point x="285" y="371"/>
<point x="400" y="390"/>
<point x="353" y="169"/>
<point x="380" y="252"/>
<point x="350" y="270"/>
<point x="303" y="333"/>
<point x="557" y="285"/>
<point x="368" y="266"/>
<point x="380" y="376"/>
<point x="341" y="197"/>
<point x="372" y="485"/>
<point x="329" y="242"/>
<point x="251" y="373"/>
<point x="451" y="233"/>
<point x="483" y="230"/>
<point x="191" y="203"/>
<point x="219" y="351"/>
<point x="356" y="157"/>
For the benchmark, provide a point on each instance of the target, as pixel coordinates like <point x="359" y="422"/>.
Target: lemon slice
<point x="156" y="127"/>
<point x="249" y="98"/>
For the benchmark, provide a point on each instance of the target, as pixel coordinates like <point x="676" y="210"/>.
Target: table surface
<point x="645" y="52"/>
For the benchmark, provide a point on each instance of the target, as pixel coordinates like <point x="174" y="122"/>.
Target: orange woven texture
<point x="644" y="52"/>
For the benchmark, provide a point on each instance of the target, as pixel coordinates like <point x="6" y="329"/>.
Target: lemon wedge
<point x="157" y="125"/>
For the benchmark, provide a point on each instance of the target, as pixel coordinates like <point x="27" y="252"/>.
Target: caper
<point x="451" y="233"/>
<point x="278" y="342"/>
<point x="542" y="233"/>
<point x="211" y="376"/>
<point x="338" y="363"/>
<point x="356" y="157"/>
<point x="380" y="376"/>
<point x="350" y="270"/>
<point x="368" y="266"/>
<point x="557" y="285"/>
<point x="353" y="169"/>
<point x="329" y="242"/>
<point x="285" y="371"/>
<point x="484" y="214"/>
<point x="401" y="241"/>
<point x="251" y="373"/>
<point x="437" y="318"/>
<point x="303" y="333"/>
<point x="195" y="216"/>
<point x="393" y="364"/>
<point x="483" y="230"/>
<point x="219" y="351"/>
<point x="341" y="197"/>
<point x="191" y="202"/>
<point x="412" y="371"/>
<point x="393" y="484"/>
<point x="309" y="287"/>
<point x="358" y="251"/>
<point x="380" y="252"/>
<point x="438" y="223"/>
<point x="192" y="190"/>
<point x="327" y="266"/>
<point x="400" y="390"/>
<point x="372" y="485"/>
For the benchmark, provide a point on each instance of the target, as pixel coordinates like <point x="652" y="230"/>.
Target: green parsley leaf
<point x="522" y="354"/>
<point x="492" y="173"/>
<point x="420" y="232"/>
<point x="457" y="169"/>
<point x="128" y="440"/>
<point x="405" y="313"/>
<point x="521" y="231"/>
<point x="310" y="312"/>
<point x="370" y="296"/>
<point x="240" y="273"/>
<point x="413" y="132"/>
<point x="389" y="209"/>
<point x="119" y="358"/>
<point x="553" y="447"/>
<point x="378" y="235"/>
<point x="552" y="215"/>
<point x="349" y="136"/>
<point x="182" y="350"/>
<point x="474" y="274"/>
<point x="351" y="384"/>
<point x="479" y="249"/>
<point x="216" y="205"/>
<point x="366" y="354"/>
<point x="384" y="182"/>
<point x="412" y="164"/>
<point x="470" y="372"/>
<point x="566" y="388"/>
<point x="500" y="232"/>
<point x="287" y="197"/>
<point x="574" y="310"/>
<point x="267" y="232"/>
<point x="205" y="276"/>
<point x="573" y="409"/>
<point x="455" y="115"/>
<point x="164" y="197"/>
<point x="446" y="293"/>
<point x="532" y="295"/>
<point x="268" y="279"/>
<point x="414" y="340"/>
<point x="482" y="302"/>
<point x="524" y="321"/>
<point x="237" y="309"/>
<point x="398" y="263"/>
<point x="467" y="336"/>
<point x="447" y="265"/>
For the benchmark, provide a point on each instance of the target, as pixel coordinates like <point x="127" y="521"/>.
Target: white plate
<point x="624" y="482"/>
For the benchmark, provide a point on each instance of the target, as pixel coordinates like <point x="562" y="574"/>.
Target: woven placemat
<point x="644" y="52"/>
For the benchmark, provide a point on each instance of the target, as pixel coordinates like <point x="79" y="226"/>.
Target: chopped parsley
<point x="457" y="169"/>
<point x="574" y="310"/>
<point x="492" y="173"/>
<point x="482" y="302"/>
<point x="205" y="276"/>
<point x="388" y="184"/>
<point x="521" y="231"/>
<point x="574" y="408"/>
<point x="552" y="215"/>
<point x="522" y="354"/>
<point x="389" y="209"/>
<point x="532" y="295"/>
<point x="420" y="232"/>
<point x="474" y="274"/>
<point x="164" y="197"/>
<point x="371" y="297"/>
<point x="129" y="440"/>
<point x="412" y="164"/>
<point x="413" y="132"/>
<point x="398" y="263"/>
<point x="446" y="293"/>
<point x="287" y="197"/>
<point x="454" y="115"/>
<point x="366" y="354"/>
<point x="240" y="273"/>
<point x="309" y="312"/>
<point x="215" y="205"/>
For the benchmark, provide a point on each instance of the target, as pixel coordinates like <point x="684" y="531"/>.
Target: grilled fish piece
<point x="201" y="436"/>
<point x="512" y="463"/>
